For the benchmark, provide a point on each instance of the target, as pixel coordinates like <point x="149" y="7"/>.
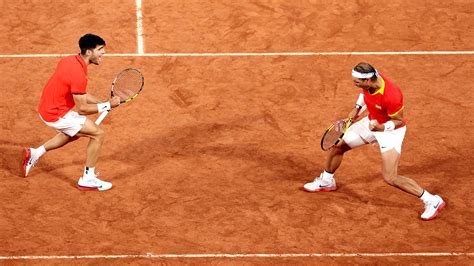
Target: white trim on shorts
<point x="70" y="124"/>
<point x="359" y="134"/>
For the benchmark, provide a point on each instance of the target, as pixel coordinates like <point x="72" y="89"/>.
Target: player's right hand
<point x="114" y="101"/>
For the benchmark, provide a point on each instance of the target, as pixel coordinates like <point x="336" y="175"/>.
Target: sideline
<point x="289" y="255"/>
<point x="249" y="54"/>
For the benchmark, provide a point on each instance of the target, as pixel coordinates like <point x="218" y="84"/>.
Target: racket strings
<point x="331" y="137"/>
<point x="333" y="134"/>
<point x="128" y="85"/>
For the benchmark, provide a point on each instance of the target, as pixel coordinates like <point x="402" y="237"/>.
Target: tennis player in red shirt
<point x="64" y="105"/>
<point x="385" y="125"/>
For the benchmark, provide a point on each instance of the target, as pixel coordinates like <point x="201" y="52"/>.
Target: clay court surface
<point x="208" y="163"/>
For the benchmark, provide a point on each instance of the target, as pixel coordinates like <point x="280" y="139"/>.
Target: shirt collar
<point x="382" y="89"/>
<point x="82" y="62"/>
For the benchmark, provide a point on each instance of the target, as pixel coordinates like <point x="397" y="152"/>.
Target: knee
<point x="100" y="134"/>
<point x="390" y="179"/>
<point x="340" y="149"/>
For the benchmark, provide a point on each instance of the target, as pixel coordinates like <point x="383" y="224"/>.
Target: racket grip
<point x="101" y="117"/>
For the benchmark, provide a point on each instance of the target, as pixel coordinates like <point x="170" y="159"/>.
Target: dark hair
<point x="90" y="41"/>
<point x="363" y="67"/>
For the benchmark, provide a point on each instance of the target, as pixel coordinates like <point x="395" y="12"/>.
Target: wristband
<point x="360" y="101"/>
<point x="389" y="126"/>
<point x="103" y="107"/>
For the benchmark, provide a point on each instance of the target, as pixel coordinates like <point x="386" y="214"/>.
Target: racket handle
<point x="101" y="117"/>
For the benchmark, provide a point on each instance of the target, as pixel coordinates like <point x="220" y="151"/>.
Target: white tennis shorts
<point x="359" y="134"/>
<point x="70" y="124"/>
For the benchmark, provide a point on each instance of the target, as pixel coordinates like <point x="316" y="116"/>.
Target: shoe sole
<point x="436" y="213"/>
<point x="25" y="157"/>
<point x="325" y="189"/>
<point x="82" y="188"/>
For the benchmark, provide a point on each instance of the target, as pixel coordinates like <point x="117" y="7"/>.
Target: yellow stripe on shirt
<point x="396" y="113"/>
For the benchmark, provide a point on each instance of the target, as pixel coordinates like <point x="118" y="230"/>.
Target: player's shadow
<point x="198" y="139"/>
<point x="11" y="157"/>
<point x="194" y="140"/>
<point x="11" y="161"/>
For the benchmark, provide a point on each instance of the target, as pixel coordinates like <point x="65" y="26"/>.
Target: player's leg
<point x="57" y="141"/>
<point x="390" y="161"/>
<point x="390" y="145"/>
<point x="325" y="181"/>
<point x="89" y="180"/>
<point x="96" y="138"/>
<point x="357" y="135"/>
<point x="67" y="126"/>
<point x="335" y="156"/>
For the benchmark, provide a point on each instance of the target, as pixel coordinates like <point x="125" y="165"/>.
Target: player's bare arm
<point x="83" y="107"/>
<point x="395" y="122"/>
<point x="358" y="109"/>
<point x="398" y="119"/>
<point x="354" y="114"/>
<point x="93" y="99"/>
<point x="114" y="101"/>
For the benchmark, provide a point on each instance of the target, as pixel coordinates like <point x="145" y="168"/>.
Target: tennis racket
<point x="333" y="135"/>
<point x="126" y="85"/>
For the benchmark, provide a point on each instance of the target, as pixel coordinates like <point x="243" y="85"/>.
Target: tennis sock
<point x="327" y="175"/>
<point x="40" y="151"/>
<point x="89" y="172"/>
<point x="426" y="196"/>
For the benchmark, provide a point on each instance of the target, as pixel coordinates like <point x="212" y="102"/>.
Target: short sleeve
<point x="78" y="82"/>
<point x="395" y="103"/>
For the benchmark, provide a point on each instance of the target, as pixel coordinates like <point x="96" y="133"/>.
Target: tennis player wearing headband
<point x="64" y="105"/>
<point x="385" y="125"/>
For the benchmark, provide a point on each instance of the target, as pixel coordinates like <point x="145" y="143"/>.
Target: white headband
<point x="359" y="75"/>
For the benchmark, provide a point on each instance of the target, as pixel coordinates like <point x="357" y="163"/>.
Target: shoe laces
<point x="430" y="203"/>
<point x="33" y="160"/>
<point x="95" y="179"/>
<point x="319" y="178"/>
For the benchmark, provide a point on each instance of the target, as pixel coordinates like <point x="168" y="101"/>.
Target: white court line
<point x="251" y="54"/>
<point x="140" y="47"/>
<point x="289" y="255"/>
<point x="299" y="54"/>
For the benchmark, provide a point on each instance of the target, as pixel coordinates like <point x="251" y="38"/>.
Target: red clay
<point x="212" y="156"/>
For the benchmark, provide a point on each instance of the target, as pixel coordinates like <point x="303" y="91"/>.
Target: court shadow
<point x="11" y="159"/>
<point x="199" y="139"/>
<point x="11" y="162"/>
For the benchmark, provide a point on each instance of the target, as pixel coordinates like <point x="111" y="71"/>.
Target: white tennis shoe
<point x="93" y="184"/>
<point x="29" y="160"/>
<point x="319" y="184"/>
<point x="432" y="208"/>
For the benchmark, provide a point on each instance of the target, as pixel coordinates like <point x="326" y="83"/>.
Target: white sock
<point x="426" y="196"/>
<point x="327" y="175"/>
<point x="89" y="172"/>
<point x="40" y="151"/>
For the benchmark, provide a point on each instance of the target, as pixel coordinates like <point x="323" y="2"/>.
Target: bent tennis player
<point x="385" y="125"/>
<point x="64" y="106"/>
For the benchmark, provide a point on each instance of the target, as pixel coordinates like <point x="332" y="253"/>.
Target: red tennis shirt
<point x="385" y="102"/>
<point x="70" y="77"/>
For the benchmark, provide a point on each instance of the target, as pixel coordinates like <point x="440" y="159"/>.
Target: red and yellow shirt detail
<point x="70" y="77"/>
<point x="385" y="102"/>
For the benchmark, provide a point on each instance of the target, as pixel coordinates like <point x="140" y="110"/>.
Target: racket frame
<point x="348" y="123"/>
<point x="105" y="113"/>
